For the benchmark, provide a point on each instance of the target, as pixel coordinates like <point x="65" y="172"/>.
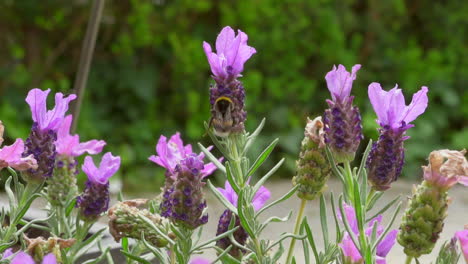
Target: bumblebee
<point x="221" y="116"/>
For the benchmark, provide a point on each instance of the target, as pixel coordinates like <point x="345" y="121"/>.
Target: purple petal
<point x="463" y="180"/>
<point x="229" y="193"/>
<point x="22" y="258"/>
<point x="49" y="259"/>
<point x="244" y="53"/>
<point x="224" y="40"/>
<point x="387" y="243"/>
<point x="214" y="61"/>
<point x="463" y="238"/>
<point x="417" y="106"/>
<point x="90" y="170"/>
<point x="380" y="260"/>
<point x="7" y="253"/>
<point x="162" y="150"/>
<point x="340" y="81"/>
<point x="37" y="100"/>
<point x="109" y="166"/>
<point x="350" y="216"/>
<point x="260" y="198"/>
<point x="54" y="117"/>
<point x="12" y="156"/>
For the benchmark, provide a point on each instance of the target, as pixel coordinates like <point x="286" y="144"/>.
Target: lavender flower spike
<point x="227" y="96"/>
<point x="62" y="184"/>
<point x="260" y="198"/>
<point x="342" y="120"/>
<point x="386" y="158"/>
<point x="350" y="251"/>
<point x="95" y="198"/>
<point x="40" y="142"/>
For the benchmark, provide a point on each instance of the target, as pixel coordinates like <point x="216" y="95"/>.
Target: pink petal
<point x="37" y="100"/>
<point x="260" y="198"/>
<point x="109" y="166"/>
<point x="213" y="60"/>
<point x="243" y="54"/>
<point x="377" y="99"/>
<point x="463" y="238"/>
<point x="350" y="216"/>
<point x="224" y="39"/>
<point x="340" y="81"/>
<point x="162" y="150"/>
<point x="232" y="53"/>
<point x="229" y="193"/>
<point x="49" y="259"/>
<point x="64" y="128"/>
<point x="92" y="147"/>
<point x="54" y="117"/>
<point x="22" y="258"/>
<point x="395" y="104"/>
<point x="90" y="170"/>
<point x="7" y="253"/>
<point x="417" y="106"/>
<point x="12" y="156"/>
<point x="349" y="249"/>
<point x="463" y="180"/>
<point x="200" y="261"/>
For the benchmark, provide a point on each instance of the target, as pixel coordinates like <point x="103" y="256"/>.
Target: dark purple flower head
<point x="342" y="120"/>
<point x="183" y="201"/>
<point x="383" y="248"/>
<point x="390" y="106"/>
<point x="240" y="235"/>
<point x="340" y="81"/>
<point x="48" y="120"/>
<point x="231" y="53"/>
<point x="95" y="198"/>
<point x="70" y="145"/>
<point x="171" y="153"/>
<point x="386" y="159"/>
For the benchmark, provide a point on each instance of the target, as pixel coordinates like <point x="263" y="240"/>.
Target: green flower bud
<point x="125" y="221"/>
<point x="62" y="185"/>
<point x="313" y="168"/>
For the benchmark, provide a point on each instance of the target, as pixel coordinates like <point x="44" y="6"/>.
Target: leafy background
<point x="150" y="76"/>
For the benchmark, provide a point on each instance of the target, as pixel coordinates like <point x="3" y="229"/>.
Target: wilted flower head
<point x="386" y="158"/>
<point x="23" y="258"/>
<point x="11" y="156"/>
<point x="70" y="145"/>
<point x="350" y="250"/>
<point x="240" y="235"/>
<point x="446" y="168"/>
<point x="95" y="198"/>
<point x="173" y="152"/>
<point x="463" y="238"/>
<point x="231" y="53"/>
<point x="47" y="120"/>
<point x="342" y="120"/>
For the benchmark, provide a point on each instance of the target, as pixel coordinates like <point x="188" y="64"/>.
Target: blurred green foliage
<point x="150" y="76"/>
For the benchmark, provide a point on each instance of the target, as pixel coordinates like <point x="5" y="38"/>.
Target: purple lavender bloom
<point x="260" y="198"/>
<point x="23" y="258"/>
<point x="227" y="96"/>
<point x="342" y="120"/>
<point x="95" y="198"/>
<point x="386" y="158"/>
<point x="69" y="145"/>
<point x="350" y="251"/>
<point x="231" y="53"/>
<point x="40" y="142"/>
<point x="183" y="202"/>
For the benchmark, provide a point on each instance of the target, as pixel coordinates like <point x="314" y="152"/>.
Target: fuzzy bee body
<point x="222" y="119"/>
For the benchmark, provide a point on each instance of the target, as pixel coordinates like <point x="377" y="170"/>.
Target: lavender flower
<point x="171" y="154"/>
<point x="386" y="158"/>
<point x="43" y="134"/>
<point x="95" y="198"/>
<point x="62" y="184"/>
<point x="463" y="238"/>
<point x="343" y="130"/>
<point x="240" y="235"/>
<point x="227" y="96"/>
<point x="350" y="251"/>
<point x="11" y="156"/>
<point x="23" y="258"/>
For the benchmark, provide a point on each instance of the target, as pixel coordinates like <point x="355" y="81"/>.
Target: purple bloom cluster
<point x="342" y="120"/>
<point x="386" y="158"/>
<point x="350" y="251"/>
<point x="95" y="198"/>
<point x="227" y="96"/>
<point x="240" y="235"/>
<point x="183" y="200"/>
<point x="40" y="142"/>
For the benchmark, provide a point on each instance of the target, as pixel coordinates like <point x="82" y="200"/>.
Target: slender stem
<point x="349" y="181"/>
<point x="236" y="161"/>
<point x="408" y="259"/>
<point x="259" y="252"/>
<point x="172" y="255"/>
<point x="87" y="51"/>
<point x="296" y="230"/>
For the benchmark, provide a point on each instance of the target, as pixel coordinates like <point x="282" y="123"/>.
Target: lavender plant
<point x="169" y="227"/>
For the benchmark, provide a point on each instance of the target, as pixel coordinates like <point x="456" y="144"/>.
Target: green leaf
<point x="387" y="228"/>
<point x="163" y="258"/>
<point x="268" y="175"/>
<point x="240" y="210"/>
<point x="230" y="177"/>
<point x="212" y="158"/>
<point x="385" y="208"/>
<point x="252" y="137"/>
<point x="162" y="234"/>
<point x="281" y="199"/>
<point x="323" y="219"/>
<point x="262" y="157"/>
<point x="362" y="166"/>
<point x="310" y="238"/>
<point x="70" y="207"/>
<point x="137" y="258"/>
<point x="216" y="238"/>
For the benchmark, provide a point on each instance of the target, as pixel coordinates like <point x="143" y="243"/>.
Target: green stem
<point x="349" y="181"/>
<point x="236" y="160"/>
<point x="172" y="255"/>
<point x="408" y="259"/>
<point x="296" y="230"/>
